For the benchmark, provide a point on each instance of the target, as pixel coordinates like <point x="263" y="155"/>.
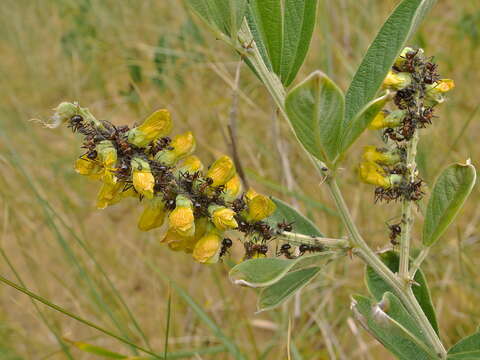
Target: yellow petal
<point x="153" y="214"/>
<point x="142" y="177"/>
<point x="183" y="145"/>
<point x="260" y="207"/>
<point x="87" y="167"/>
<point x="182" y="221"/>
<point x="110" y="194"/>
<point x="207" y="249"/>
<point x="221" y="171"/>
<point x="233" y="188"/>
<point x="374" y="174"/>
<point x="156" y="125"/>
<point x="223" y="218"/>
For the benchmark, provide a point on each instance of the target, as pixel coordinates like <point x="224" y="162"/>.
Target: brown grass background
<point x="93" y="52"/>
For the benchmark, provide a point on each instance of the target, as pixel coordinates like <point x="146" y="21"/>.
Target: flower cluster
<point x="416" y="88"/>
<point x="194" y="207"/>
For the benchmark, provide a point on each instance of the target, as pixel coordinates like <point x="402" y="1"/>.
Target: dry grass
<point x="91" y="51"/>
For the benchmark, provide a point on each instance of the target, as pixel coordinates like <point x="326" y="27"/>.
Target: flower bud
<point x="260" y="207"/>
<point x="207" y="249"/>
<point x="402" y="58"/>
<point x="142" y="177"/>
<point x="434" y="92"/>
<point x="181" y="219"/>
<point x="183" y="145"/>
<point x="153" y="214"/>
<point x="222" y="217"/>
<point x="221" y="171"/>
<point x="66" y="110"/>
<point x="190" y="164"/>
<point x="250" y="194"/>
<point x="372" y="173"/>
<point x="233" y="188"/>
<point x="386" y="119"/>
<point x="107" y="154"/>
<point x="397" y="80"/>
<point x="183" y="243"/>
<point x="381" y="156"/>
<point x="156" y="125"/>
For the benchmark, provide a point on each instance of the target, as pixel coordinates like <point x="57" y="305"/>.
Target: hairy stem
<point x="298" y="239"/>
<point x="407" y="217"/>
<point x="418" y="261"/>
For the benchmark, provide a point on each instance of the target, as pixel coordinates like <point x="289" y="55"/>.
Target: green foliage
<point x="466" y="349"/>
<point x="301" y="224"/>
<point x="96" y="350"/>
<point x="267" y="271"/>
<point x="378" y="287"/>
<point x="391" y="324"/>
<point x="361" y="121"/>
<point x="381" y="54"/>
<point x="315" y="108"/>
<point x="283" y="33"/>
<point x="276" y="294"/>
<point x="223" y="16"/>
<point x="448" y="195"/>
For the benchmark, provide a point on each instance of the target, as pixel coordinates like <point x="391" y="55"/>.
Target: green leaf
<point x="391" y="324"/>
<point x="448" y="195"/>
<point x="283" y="34"/>
<point x="361" y="121"/>
<point x="466" y="349"/>
<point x="274" y="295"/>
<point x="301" y="224"/>
<point x="315" y="108"/>
<point x="377" y="286"/>
<point x="225" y="16"/>
<point x="267" y="271"/>
<point x="383" y="51"/>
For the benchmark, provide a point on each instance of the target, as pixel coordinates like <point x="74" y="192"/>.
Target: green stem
<point x="407" y="217"/>
<point x="364" y="252"/>
<point x="73" y="316"/>
<point x="418" y="261"/>
<point x="299" y="239"/>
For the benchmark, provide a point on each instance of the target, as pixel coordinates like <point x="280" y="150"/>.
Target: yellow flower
<point x="380" y="156"/>
<point x="153" y="214"/>
<point x="434" y="92"/>
<point x="110" y="193"/>
<point x="87" y="167"/>
<point x="142" y="177"/>
<point x="107" y="154"/>
<point x="221" y="171"/>
<point x="183" y="145"/>
<point x="181" y="219"/>
<point x="386" y="119"/>
<point x="260" y="207"/>
<point x="156" y="125"/>
<point x="222" y="217"/>
<point x="233" y="188"/>
<point x="397" y="80"/>
<point x="374" y="174"/>
<point x="186" y="243"/>
<point x="190" y="164"/>
<point x="250" y="194"/>
<point x="207" y="249"/>
<point x="402" y="58"/>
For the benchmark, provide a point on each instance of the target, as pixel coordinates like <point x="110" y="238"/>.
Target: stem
<point x="368" y="256"/>
<point x="418" y="261"/>
<point x="298" y="239"/>
<point x="277" y="91"/>
<point x="407" y="218"/>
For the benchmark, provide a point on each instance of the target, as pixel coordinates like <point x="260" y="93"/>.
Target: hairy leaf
<point x="301" y="224"/>
<point x="448" y="195"/>
<point x="466" y="349"/>
<point x="391" y="324"/>
<point x="276" y="294"/>
<point x="381" y="54"/>
<point x="377" y="286"/>
<point x="315" y="108"/>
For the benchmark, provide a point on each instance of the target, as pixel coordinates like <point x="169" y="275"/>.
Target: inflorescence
<point x="415" y="88"/>
<point x="195" y="207"/>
